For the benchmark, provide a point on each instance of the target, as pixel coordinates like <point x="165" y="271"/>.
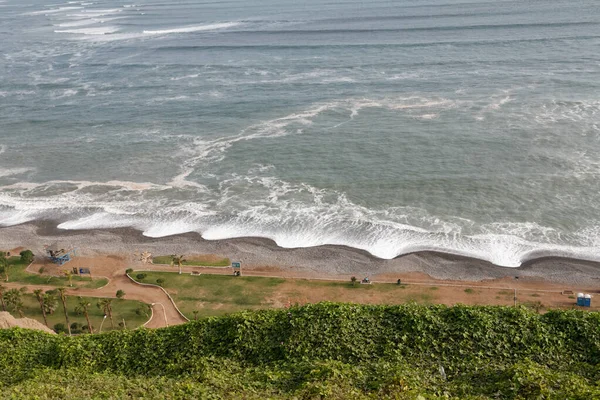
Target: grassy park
<point x="122" y="310"/>
<point x="213" y="295"/>
<point x="196" y="261"/>
<point x="17" y="274"/>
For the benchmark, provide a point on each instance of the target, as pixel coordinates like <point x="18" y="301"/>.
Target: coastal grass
<point x="197" y="261"/>
<point x="17" y="274"/>
<point x="122" y="310"/>
<point x="215" y="295"/>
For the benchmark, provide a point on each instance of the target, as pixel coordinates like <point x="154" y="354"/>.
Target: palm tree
<point x="4" y="264"/>
<point x="106" y="306"/>
<point x="14" y="301"/>
<point x="50" y="303"/>
<point x="2" y="297"/>
<point x="69" y="276"/>
<point x="39" y="295"/>
<point x="63" y="299"/>
<point x="177" y="260"/>
<point x="82" y="308"/>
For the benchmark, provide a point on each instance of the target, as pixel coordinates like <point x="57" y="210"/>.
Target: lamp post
<point x="164" y="312"/>
<point x="102" y="323"/>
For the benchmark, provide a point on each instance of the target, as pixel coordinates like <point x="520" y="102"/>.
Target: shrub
<point x="322" y="350"/>
<point x="26" y="256"/>
<point x="42" y="270"/>
<point x="140" y="277"/>
<point x="353" y="280"/>
<point x="60" y="328"/>
<point x="76" y="328"/>
<point x="160" y="281"/>
<point x="120" y="294"/>
<point x="128" y="271"/>
<point x="469" y="291"/>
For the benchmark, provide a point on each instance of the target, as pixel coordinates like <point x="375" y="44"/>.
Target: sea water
<point x="470" y="127"/>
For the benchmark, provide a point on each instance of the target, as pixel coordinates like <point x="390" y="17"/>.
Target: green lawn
<point x="215" y="295"/>
<point x="18" y="274"/>
<point x="196" y="261"/>
<point x="122" y="309"/>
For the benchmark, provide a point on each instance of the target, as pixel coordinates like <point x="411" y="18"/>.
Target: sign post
<point x="237" y="268"/>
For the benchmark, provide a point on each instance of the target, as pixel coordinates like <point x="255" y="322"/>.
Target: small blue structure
<point x="584" y="300"/>
<point x="60" y="256"/>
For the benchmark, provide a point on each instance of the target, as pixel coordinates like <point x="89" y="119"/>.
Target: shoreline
<point x="322" y="261"/>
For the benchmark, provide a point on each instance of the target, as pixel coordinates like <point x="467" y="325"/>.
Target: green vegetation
<point x="469" y="291"/>
<point x="334" y="351"/>
<point x="120" y="309"/>
<point x="15" y="267"/>
<point x="196" y="261"/>
<point x="140" y="277"/>
<point x="26" y="256"/>
<point x="214" y="295"/>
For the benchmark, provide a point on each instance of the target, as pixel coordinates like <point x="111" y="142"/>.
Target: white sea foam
<point x="197" y="28"/>
<point x="12" y="171"/>
<point x="87" y="21"/>
<point x="94" y="13"/>
<point x="288" y="216"/>
<point x="102" y="30"/>
<point x="2" y="148"/>
<point x="53" y="11"/>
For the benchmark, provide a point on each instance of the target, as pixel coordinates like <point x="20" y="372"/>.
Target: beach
<point x="263" y="255"/>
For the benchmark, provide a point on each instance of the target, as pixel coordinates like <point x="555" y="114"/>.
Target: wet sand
<point x="261" y="254"/>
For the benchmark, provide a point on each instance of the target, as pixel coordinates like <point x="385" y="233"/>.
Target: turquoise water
<point x="391" y="126"/>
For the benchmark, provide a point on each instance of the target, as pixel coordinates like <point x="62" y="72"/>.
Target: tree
<point x="27" y="256"/>
<point x="63" y="299"/>
<point x="140" y="277"/>
<point x="144" y="309"/>
<point x="4" y="265"/>
<point x="82" y="308"/>
<point x="177" y="260"/>
<point x="195" y="315"/>
<point x="353" y="280"/>
<point x="14" y="300"/>
<point x="120" y="294"/>
<point x="39" y="295"/>
<point x="106" y="306"/>
<point x="50" y="303"/>
<point x="2" y="297"/>
<point x="69" y="275"/>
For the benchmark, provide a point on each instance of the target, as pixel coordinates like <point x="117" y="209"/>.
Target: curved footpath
<point x="164" y="312"/>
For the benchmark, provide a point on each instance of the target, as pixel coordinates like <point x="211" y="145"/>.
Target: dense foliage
<point x="321" y="351"/>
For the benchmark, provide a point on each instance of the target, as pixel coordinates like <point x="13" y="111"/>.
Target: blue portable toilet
<point x="587" y="300"/>
<point x="580" y="300"/>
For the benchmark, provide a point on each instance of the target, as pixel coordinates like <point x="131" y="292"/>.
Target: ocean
<point x="467" y="127"/>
